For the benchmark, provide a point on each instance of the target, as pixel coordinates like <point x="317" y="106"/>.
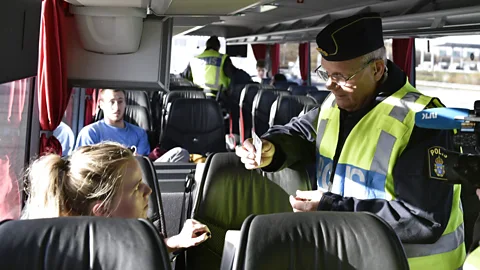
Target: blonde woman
<point x="97" y="180"/>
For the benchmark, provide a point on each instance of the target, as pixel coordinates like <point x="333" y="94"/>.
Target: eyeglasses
<point x="339" y="79"/>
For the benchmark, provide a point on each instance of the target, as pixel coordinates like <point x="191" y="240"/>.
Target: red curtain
<point x="303" y="53"/>
<point x="275" y="58"/>
<point x="90" y="105"/>
<point x="402" y="54"/>
<point x="53" y="92"/>
<point x="10" y="199"/>
<point x="260" y="51"/>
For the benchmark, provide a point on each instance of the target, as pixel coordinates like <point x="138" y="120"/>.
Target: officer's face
<point x="356" y="92"/>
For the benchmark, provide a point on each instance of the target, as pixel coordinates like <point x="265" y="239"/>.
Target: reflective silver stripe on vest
<point x="321" y="131"/>
<point x="329" y="102"/>
<point x="399" y="112"/>
<point x="383" y="153"/>
<point x="445" y="244"/>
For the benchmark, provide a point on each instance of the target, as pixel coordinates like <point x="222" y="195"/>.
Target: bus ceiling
<point x="294" y="21"/>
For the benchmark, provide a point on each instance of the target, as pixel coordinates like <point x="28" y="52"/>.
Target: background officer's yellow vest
<point x="365" y="167"/>
<point x="207" y="71"/>
<point x="473" y="261"/>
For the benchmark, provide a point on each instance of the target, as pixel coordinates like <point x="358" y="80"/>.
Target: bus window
<point x="448" y="68"/>
<point x="14" y="100"/>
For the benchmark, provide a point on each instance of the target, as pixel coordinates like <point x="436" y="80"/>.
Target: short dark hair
<point x="213" y="43"/>
<point x="261" y="64"/>
<point x="107" y="89"/>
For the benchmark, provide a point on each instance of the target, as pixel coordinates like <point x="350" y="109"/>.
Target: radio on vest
<point x="449" y="166"/>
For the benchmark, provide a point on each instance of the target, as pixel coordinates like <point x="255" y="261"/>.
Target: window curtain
<point x="90" y="105"/>
<point x="402" y="49"/>
<point x="53" y="91"/>
<point x="260" y="51"/>
<point x="303" y="53"/>
<point x="275" y="58"/>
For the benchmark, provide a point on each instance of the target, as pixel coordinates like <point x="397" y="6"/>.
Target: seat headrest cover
<point x="171" y="96"/>
<point x="137" y="115"/>
<point x="319" y="240"/>
<point x="137" y="98"/>
<point x="82" y="243"/>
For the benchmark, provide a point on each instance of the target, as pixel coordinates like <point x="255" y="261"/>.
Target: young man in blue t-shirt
<point x="113" y="128"/>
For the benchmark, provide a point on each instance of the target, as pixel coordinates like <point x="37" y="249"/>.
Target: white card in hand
<point x="257" y="143"/>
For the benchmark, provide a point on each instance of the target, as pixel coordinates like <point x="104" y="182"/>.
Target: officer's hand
<point x="478" y="193"/>
<point x="306" y="201"/>
<point x="246" y="152"/>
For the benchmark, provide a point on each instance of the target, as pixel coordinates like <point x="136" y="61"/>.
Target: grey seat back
<point x="261" y="109"/>
<point x="78" y="243"/>
<point x="319" y="240"/>
<point x="195" y="125"/>
<point x="287" y="107"/>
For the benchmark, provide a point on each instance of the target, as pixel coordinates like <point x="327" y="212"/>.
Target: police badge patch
<point x="439" y="167"/>
<point x="436" y="161"/>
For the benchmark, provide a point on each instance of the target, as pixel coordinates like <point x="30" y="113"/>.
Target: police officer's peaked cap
<point x="351" y="37"/>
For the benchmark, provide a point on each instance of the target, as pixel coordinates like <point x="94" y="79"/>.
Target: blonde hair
<point x="68" y="186"/>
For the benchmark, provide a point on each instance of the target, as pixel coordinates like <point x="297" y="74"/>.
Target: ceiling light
<point x="265" y="8"/>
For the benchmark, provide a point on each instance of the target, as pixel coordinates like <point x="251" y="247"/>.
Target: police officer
<point x="211" y="70"/>
<point x="369" y="155"/>
<point x="473" y="259"/>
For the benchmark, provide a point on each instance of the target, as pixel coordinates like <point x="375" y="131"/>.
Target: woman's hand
<point x="193" y="233"/>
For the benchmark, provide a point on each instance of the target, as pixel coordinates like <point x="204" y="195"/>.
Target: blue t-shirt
<point x="65" y="136"/>
<point x="129" y="136"/>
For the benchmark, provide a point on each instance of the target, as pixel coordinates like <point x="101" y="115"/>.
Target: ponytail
<point x="45" y="187"/>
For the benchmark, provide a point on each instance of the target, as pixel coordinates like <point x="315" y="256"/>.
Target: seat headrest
<point x="82" y="243"/>
<point x="319" y="240"/>
<point x="301" y="90"/>
<point x="171" y="96"/>
<point x="204" y="115"/>
<point x="196" y="125"/>
<point x="137" y="98"/>
<point x="319" y="95"/>
<point x="137" y="115"/>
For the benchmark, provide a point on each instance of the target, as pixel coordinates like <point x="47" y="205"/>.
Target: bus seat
<point x="287" y="107"/>
<point x="82" y="243"/>
<point x="245" y="118"/>
<point x="301" y="90"/>
<point x="157" y="110"/>
<point x="261" y="109"/>
<point x="139" y="98"/>
<point x="171" y="179"/>
<point x="231" y="102"/>
<point x="169" y="97"/>
<point x="319" y="95"/>
<point x="229" y="193"/>
<point x="195" y="125"/>
<point x="318" y="240"/>
<point x="137" y="115"/>
<point x="155" y="207"/>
